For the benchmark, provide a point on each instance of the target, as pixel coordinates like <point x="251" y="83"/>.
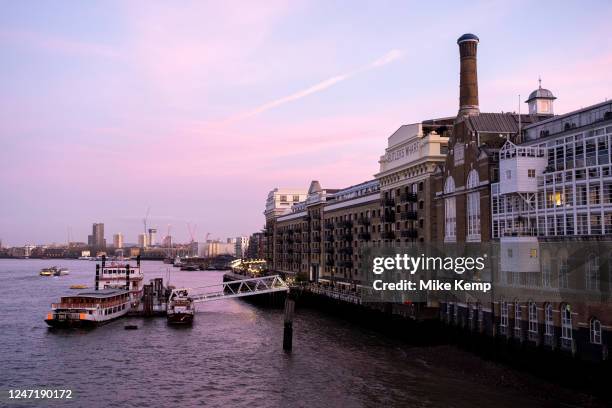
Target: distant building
<point x="241" y="245"/>
<point x="152" y="236"/>
<point x="142" y="240"/>
<point x="167" y="242"/>
<point x="212" y="248"/>
<point x="96" y="239"/>
<point x="256" y="246"/>
<point x="118" y="240"/>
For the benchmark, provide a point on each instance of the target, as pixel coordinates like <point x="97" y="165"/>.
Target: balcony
<point x="408" y="215"/>
<point x="389" y="217"/>
<point x="363" y="221"/>
<point x="346" y="264"/>
<point x="329" y="238"/>
<point x="347" y="237"/>
<point x="329" y="225"/>
<point x="345" y="224"/>
<point x="346" y="250"/>
<point x="387" y="202"/>
<point x="364" y="236"/>
<point x="329" y="249"/>
<point x="329" y="262"/>
<point x="388" y="235"/>
<point x="408" y="198"/>
<point x="411" y="233"/>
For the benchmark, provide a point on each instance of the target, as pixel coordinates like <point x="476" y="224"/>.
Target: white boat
<point x="54" y="271"/>
<point x="180" y="307"/>
<point x="89" y="308"/>
<point x="177" y="261"/>
<point x="118" y="289"/>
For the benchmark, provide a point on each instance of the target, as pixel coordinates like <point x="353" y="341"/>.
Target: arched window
<point x="503" y="324"/>
<point x="533" y="317"/>
<point x="595" y="330"/>
<point x="450" y="212"/>
<point x="517" y="318"/>
<point x="592" y="272"/>
<point x="566" y="325"/>
<point x="548" y="320"/>
<point x="473" y="207"/>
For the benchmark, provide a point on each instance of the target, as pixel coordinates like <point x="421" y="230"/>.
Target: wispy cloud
<point x="386" y="59"/>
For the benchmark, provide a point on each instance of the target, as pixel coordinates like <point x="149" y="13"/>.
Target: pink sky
<point x="198" y="111"/>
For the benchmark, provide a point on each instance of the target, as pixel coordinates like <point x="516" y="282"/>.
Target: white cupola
<point x="540" y="101"/>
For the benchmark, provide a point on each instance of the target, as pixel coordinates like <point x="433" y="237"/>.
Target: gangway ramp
<point x="235" y="289"/>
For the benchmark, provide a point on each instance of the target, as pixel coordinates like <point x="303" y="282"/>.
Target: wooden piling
<point x="288" y="329"/>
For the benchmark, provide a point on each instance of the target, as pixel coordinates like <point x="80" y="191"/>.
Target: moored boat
<point x="180" y="308"/>
<point x="89" y="308"/>
<point x="118" y="289"/>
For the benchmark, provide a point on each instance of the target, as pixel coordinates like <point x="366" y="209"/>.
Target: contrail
<point x="388" y="58"/>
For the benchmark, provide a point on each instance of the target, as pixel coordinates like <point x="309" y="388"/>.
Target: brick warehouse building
<point x="439" y="181"/>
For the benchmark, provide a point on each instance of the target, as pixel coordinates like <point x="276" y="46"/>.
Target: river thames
<point x="232" y="356"/>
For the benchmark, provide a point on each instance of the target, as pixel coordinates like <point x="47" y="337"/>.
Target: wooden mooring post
<point x="288" y="329"/>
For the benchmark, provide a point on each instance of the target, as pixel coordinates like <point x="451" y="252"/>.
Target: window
<point x="531" y="173"/>
<point x="517" y="319"/>
<point x="458" y="155"/>
<point x="503" y="324"/>
<point x="283" y="198"/>
<point x="548" y="320"/>
<point x="296" y="198"/>
<point x="533" y="318"/>
<point x="566" y="326"/>
<point x="546" y="275"/>
<point x="592" y="273"/>
<point x="473" y="208"/>
<point x="450" y="215"/>
<point x="595" y="330"/>
<point x="508" y="174"/>
<point x="563" y="274"/>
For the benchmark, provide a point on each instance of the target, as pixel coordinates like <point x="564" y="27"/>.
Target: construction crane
<point x="192" y="231"/>
<point x="144" y="220"/>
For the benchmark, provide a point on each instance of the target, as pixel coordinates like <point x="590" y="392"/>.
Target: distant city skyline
<point x="198" y="110"/>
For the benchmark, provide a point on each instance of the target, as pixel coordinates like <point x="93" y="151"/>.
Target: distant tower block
<point x="468" y="81"/>
<point x="152" y="236"/>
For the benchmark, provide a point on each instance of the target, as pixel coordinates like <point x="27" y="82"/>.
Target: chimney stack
<point x="468" y="82"/>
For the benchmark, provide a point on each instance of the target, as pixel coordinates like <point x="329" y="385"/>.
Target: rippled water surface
<point x="232" y="356"/>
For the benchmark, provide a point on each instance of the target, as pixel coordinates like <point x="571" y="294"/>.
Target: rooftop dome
<point x="467" y="37"/>
<point x="541" y="93"/>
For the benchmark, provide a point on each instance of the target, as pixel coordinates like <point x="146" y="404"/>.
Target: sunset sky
<point x="198" y="109"/>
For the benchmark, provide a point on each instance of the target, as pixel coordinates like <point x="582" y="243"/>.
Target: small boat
<point x="47" y="272"/>
<point x="54" y="271"/>
<point x="180" y="308"/>
<point x="78" y="286"/>
<point x="130" y="327"/>
<point x="61" y="271"/>
<point x="177" y="261"/>
<point x="190" y="268"/>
